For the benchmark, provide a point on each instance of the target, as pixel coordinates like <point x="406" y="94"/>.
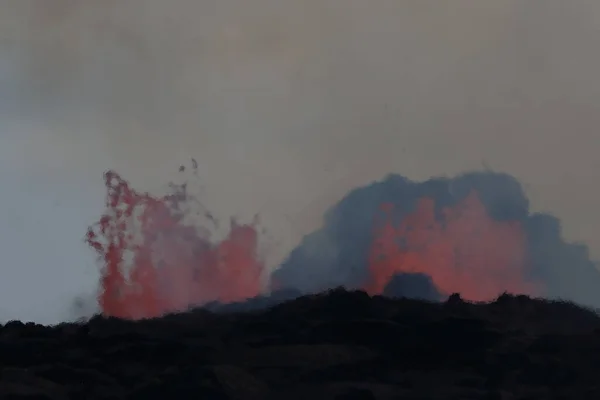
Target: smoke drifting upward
<point x="472" y="234"/>
<point x="307" y="90"/>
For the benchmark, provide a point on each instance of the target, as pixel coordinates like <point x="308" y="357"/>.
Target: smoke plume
<point x="473" y="235"/>
<point x="287" y="106"/>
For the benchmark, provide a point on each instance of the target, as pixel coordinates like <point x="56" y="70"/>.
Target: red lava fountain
<point x="154" y="262"/>
<point x="464" y="251"/>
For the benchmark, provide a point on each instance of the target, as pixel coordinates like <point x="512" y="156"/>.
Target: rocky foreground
<point x="338" y="345"/>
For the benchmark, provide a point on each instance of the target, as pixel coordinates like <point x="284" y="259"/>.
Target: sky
<point x="286" y="105"/>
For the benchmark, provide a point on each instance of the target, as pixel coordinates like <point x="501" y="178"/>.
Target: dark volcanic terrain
<point x="336" y="345"/>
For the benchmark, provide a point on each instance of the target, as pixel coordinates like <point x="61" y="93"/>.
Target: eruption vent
<point x="413" y="285"/>
<point x="462" y="249"/>
<point x="472" y="234"/>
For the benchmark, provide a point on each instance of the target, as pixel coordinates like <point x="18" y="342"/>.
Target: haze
<point x="286" y="105"/>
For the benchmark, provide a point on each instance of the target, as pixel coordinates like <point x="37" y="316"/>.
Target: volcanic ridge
<point x="335" y="345"/>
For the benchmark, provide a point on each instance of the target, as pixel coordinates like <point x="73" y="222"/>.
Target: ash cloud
<point x="565" y="269"/>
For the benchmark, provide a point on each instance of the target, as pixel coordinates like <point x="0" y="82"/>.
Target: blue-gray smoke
<point x="337" y="254"/>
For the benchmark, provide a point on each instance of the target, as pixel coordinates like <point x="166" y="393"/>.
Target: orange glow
<point x="464" y="251"/>
<point x="154" y="263"/>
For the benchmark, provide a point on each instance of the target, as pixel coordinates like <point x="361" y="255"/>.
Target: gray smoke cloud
<point x="551" y="267"/>
<point x="286" y="105"/>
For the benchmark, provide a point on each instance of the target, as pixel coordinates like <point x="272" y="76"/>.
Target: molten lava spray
<point x="154" y="262"/>
<point x="463" y="250"/>
<point x="472" y="234"/>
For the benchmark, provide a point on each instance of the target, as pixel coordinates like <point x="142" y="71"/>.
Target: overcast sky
<point x="286" y="105"/>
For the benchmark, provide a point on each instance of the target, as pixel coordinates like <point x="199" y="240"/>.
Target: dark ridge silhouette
<point x="334" y="345"/>
<point x="254" y="304"/>
<point x="410" y="286"/>
<point x="337" y="254"/>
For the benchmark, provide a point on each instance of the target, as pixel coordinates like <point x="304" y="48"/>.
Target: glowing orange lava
<point x="154" y="263"/>
<point x="464" y="251"/>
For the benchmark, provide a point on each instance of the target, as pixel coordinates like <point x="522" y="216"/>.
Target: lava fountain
<point x="461" y="248"/>
<point x="153" y="262"/>
<point x="472" y="234"/>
